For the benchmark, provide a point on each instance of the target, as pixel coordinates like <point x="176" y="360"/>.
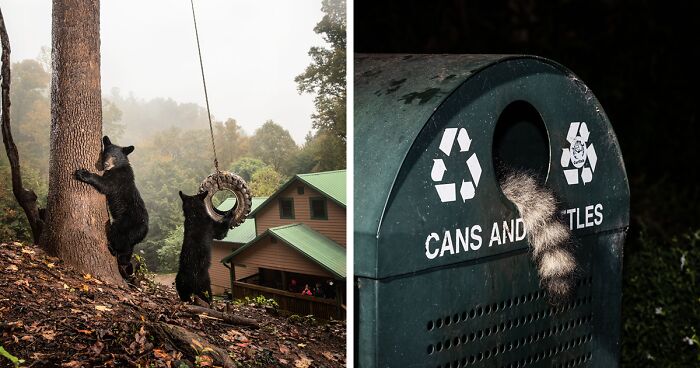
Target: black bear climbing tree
<point x="76" y="214"/>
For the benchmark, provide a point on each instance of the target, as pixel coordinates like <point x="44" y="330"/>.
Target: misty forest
<point x="173" y="144"/>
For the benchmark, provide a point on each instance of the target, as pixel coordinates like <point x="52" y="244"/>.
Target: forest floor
<point x="53" y="316"/>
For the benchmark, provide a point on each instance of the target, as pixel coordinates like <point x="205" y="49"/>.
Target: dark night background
<point x="636" y="58"/>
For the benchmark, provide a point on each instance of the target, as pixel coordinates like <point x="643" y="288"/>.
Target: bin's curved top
<point x="407" y="97"/>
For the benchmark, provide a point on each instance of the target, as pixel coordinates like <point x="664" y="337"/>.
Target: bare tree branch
<point x="226" y="317"/>
<point x="181" y="339"/>
<point x="25" y="197"/>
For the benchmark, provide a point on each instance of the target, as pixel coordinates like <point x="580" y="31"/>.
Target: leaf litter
<point x="54" y="316"/>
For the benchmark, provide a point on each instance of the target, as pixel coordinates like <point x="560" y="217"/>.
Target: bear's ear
<point x="202" y="195"/>
<point x="182" y="196"/>
<point x="128" y="150"/>
<point x="106" y="141"/>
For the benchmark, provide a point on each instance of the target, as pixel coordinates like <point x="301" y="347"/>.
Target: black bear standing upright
<point x="195" y="257"/>
<point x="129" y="216"/>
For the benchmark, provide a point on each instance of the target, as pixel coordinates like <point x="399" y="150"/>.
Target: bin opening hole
<point x="520" y="142"/>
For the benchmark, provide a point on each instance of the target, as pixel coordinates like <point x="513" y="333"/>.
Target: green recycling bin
<point x="443" y="274"/>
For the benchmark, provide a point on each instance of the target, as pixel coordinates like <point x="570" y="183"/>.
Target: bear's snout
<point x="108" y="164"/>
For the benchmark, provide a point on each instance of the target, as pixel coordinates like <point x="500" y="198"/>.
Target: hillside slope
<point x="51" y="315"/>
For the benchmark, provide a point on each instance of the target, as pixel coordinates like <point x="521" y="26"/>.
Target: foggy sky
<point x="252" y="51"/>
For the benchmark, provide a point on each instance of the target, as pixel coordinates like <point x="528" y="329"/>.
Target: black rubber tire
<point x="225" y="180"/>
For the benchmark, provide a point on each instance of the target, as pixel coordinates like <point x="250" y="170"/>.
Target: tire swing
<point x="228" y="181"/>
<point x="221" y="180"/>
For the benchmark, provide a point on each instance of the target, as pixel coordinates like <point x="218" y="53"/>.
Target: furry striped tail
<point x="549" y="237"/>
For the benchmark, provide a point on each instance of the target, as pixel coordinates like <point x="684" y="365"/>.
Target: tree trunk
<point x="76" y="217"/>
<point x="25" y="197"/>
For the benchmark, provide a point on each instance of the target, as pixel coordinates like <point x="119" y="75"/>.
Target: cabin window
<point x="286" y="208"/>
<point x="319" y="209"/>
<point x="300" y="190"/>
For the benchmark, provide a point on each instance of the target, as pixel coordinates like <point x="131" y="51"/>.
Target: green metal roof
<point x="332" y="184"/>
<point x="310" y="243"/>
<point x="244" y="232"/>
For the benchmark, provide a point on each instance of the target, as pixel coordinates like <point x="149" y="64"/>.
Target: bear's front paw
<point x="228" y="217"/>
<point x="81" y="174"/>
<point x="111" y="250"/>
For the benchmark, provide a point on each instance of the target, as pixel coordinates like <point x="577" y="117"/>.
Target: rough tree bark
<point x="76" y="215"/>
<point x="25" y="197"/>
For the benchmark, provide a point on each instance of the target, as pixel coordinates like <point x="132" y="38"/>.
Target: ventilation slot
<point x="523" y="328"/>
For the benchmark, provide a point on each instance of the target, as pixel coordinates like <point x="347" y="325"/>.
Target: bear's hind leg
<point x="122" y="238"/>
<point x="126" y="269"/>
<point x="118" y="238"/>
<point x="137" y="233"/>
<point x="183" y="287"/>
<point x="205" y="295"/>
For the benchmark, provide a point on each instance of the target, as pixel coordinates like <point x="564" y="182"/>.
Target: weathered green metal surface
<point x="392" y="104"/>
<point x="425" y="256"/>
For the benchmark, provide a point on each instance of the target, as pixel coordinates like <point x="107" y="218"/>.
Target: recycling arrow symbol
<point x="578" y="154"/>
<point x="467" y="188"/>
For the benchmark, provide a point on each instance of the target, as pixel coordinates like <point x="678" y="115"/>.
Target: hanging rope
<point x="221" y="180"/>
<point x="204" y="82"/>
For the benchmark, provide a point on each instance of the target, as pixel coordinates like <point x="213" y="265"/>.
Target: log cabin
<point x="295" y="237"/>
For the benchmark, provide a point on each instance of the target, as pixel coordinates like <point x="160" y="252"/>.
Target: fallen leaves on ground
<point x="303" y="362"/>
<point x="53" y="316"/>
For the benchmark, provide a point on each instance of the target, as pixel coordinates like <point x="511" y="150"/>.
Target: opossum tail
<point x="549" y="237"/>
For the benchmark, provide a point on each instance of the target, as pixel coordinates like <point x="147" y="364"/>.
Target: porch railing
<point x="292" y="302"/>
